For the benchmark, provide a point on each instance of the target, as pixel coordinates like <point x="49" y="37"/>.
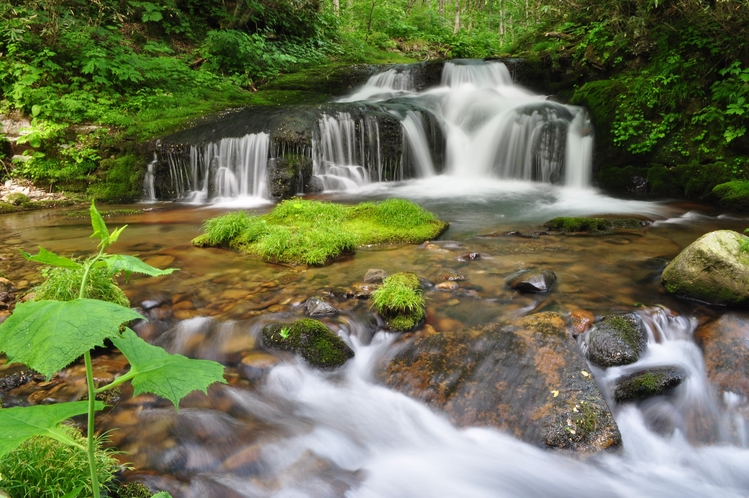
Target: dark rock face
<point x="290" y="175"/>
<point x="725" y="343"/>
<point x="532" y="280"/>
<point x="527" y="378"/>
<point x="648" y="383"/>
<point x="617" y="340"/>
<point x="310" y="339"/>
<point x="317" y="307"/>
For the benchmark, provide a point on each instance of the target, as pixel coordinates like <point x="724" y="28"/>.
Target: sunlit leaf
<point x="131" y="264"/>
<point x="100" y="228"/>
<point x="52" y="259"/>
<point x="49" y="335"/>
<point x="20" y="423"/>
<point x="171" y="376"/>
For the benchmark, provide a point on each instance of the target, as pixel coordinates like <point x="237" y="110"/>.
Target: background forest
<point x="667" y="83"/>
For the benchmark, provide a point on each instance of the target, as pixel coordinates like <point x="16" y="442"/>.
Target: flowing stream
<point x="282" y="429"/>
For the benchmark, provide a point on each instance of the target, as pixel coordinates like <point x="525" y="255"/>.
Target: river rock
<point x="712" y="269"/>
<point x="532" y="280"/>
<point x="375" y="276"/>
<point x="725" y="343"/>
<point x="647" y="383"/>
<point x="310" y="339"/>
<point x="315" y="306"/>
<point x="616" y="340"/>
<point x="526" y="378"/>
<point x="581" y="321"/>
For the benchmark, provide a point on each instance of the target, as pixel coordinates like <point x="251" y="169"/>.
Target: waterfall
<point x="384" y="85"/>
<point x="230" y="168"/>
<point x="478" y="73"/>
<point x="149" y="191"/>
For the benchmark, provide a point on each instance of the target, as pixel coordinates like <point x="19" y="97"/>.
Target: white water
<point x="149" y="191"/>
<point x="383" y="85"/>
<point x="340" y="434"/>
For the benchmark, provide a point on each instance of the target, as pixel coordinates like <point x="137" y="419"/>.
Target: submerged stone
<point x="310" y="339"/>
<point x="648" y="383"/>
<point x="315" y="306"/>
<point x="526" y="378"/>
<point x="375" y="276"/>
<point x="617" y="340"/>
<point x="713" y="269"/>
<point x="532" y="280"/>
<point x="591" y="225"/>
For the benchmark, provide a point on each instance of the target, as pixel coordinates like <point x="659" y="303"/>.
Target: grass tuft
<point x="42" y="467"/>
<point x="400" y="301"/>
<point x="63" y="284"/>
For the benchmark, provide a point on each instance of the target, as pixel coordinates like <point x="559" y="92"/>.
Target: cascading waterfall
<point x="383" y="85"/>
<point x="231" y="168"/>
<point x="149" y="190"/>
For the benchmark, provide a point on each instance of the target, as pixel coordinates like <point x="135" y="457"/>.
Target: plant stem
<point x="91" y="388"/>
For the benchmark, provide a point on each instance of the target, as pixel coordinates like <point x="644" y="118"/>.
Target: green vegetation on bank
<point x="312" y="232"/>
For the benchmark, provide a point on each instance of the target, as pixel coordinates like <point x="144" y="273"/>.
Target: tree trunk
<point x="336" y="6"/>
<point x="457" y="17"/>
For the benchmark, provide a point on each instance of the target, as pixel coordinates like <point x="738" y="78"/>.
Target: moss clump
<point x="592" y="225"/>
<point x="626" y="327"/>
<point x="732" y="195"/>
<point x="646" y="384"/>
<point x="310" y="339"/>
<point x="43" y="467"/>
<point x="121" y="179"/>
<point x="400" y="301"/>
<point x="62" y="284"/>
<point x="17" y="199"/>
<point x="133" y="490"/>
<point x="312" y="232"/>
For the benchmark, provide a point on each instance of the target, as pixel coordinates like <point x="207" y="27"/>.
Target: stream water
<point x="282" y="429"/>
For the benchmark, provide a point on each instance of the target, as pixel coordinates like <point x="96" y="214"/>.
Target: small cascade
<point x="387" y="84"/>
<point x="477" y="73"/>
<point x="231" y="168"/>
<point x="149" y="190"/>
<point x="346" y="152"/>
<point x="579" y="151"/>
<point x="417" y="150"/>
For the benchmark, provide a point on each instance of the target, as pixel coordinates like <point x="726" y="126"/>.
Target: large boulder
<point x="527" y="378"/>
<point x="713" y="269"/>
<point x="725" y="343"/>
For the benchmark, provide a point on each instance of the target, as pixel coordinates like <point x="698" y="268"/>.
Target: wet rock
<point x="469" y="256"/>
<point x="426" y="284"/>
<point x="363" y="291"/>
<point x="315" y="306"/>
<point x="648" y="383"/>
<point x="712" y="269"/>
<point x="374" y="276"/>
<point x="581" y="321"/>
<point x="526" y="378"/>
<point x="446" y="286"/>
<point x="592" y="225"/>
<point x="254" y="366"/>
<point x="617" y="340"/>
<point x="532" y="280"/>
<point x="453" y="277"/>
<point x="725" y="343"/>
<point x="310" y="339"/>
<point x="16" y="375"/>
<point x="288" y="176"/>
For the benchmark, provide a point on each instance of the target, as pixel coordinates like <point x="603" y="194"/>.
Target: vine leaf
<point x="49" y="335"/>
<point x="171" y="376"/>
<point x="131" y="264"/>
<point x="52" y="259"/>
<point x="20" y="423"/>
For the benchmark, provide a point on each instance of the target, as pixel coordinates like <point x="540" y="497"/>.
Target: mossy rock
<point x="400" y="301"/>
<point x="732" y="195"/>
<point x="290" y="175"/>
<point x="646" y="384"/>
<point x="133" y="490"/>
<point x="591" y="225"/>
<point x="119" y="179"/>
<point x="617" y="340"/>
<point x="310" y="339"/>
<point x="693" y="181"/>
<point x="713" y="269"/>
<point x="17" y="199"/>
<point x="622" y="179"/>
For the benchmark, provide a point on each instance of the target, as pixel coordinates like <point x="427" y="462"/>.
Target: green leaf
<point x="35" y="110"/>
<point x="74" y="493"/>
<point x="171" y="376"/>
<point x="116" y="234"/>
<point x="162" y="494"/>
<point x="52" y="259"/>
<point x="131" y="264"/>
<point x="20" y="423"/>
<point x="49" y="335"/>
<point x="100" y="228"/>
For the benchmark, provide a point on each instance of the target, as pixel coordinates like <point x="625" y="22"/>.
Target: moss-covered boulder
<point x="17" y="199"/>
<point x="648" y="383"/>
<point x="732" y="195"/>
<point x="616" y="340"/>
<point x="525" y="377"/>
<point x="311" y="340"/>
<point x="565" y="224"/>
<point x="713" y="269"/>
<point x="400" y="301"/>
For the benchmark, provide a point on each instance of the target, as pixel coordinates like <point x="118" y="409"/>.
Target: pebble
<point x="184" y="305"/>
<point x="235" y="294"/>
<point x="446" y="286"/>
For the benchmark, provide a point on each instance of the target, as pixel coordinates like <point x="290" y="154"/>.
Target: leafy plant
<point x="48" y="335"/>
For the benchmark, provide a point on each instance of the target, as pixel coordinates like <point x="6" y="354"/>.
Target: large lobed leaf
<point x="20" y="423"/>
<point x="171" y="376"/>
<point x="49" y="335"/>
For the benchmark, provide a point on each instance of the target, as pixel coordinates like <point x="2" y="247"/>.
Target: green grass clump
<point x="42" y="467"/>
<point x="314" y="233"/>
<point x="400" y="301"/>
<point x="566" y="225"/>
<point x="62" y="284"/>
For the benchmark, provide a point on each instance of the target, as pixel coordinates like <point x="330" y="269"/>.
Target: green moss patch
<point x="400" y="301"/>
<point x="310" y="339"/>
<point x="592" y="225"/>
<point x="312" y="232"/>
<point x="646" y="384"/>
<point x="733" y="195"/>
